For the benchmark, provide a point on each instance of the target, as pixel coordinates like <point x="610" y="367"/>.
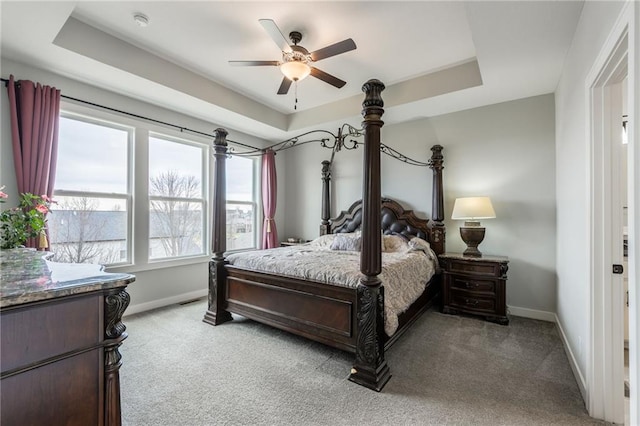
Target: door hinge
<point x="618" y="269"/>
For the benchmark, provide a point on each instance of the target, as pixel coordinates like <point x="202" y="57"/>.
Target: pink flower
<point x="3" y="195"/>
<point x="42" y="208"/>
<point x="42" y="280"/>
<point x="48" y="199"/>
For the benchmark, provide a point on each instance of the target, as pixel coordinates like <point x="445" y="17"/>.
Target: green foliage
<point x="28" y="220"/>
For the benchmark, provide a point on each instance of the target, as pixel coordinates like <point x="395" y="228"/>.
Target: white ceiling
<point x="434" y="57"/>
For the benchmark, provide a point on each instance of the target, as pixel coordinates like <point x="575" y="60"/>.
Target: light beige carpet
<point x="446" y="370"/>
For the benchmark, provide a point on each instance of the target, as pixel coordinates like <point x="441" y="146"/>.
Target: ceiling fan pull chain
<point x="295" y="105"/>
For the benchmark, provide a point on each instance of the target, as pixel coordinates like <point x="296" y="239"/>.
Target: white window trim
<point x="139" y="158"/>
<point x="89" y="117"/>
<point x="203" y="200"/>
<point x="256" y="204"/>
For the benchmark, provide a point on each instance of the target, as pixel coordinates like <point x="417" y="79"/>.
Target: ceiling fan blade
<point x="334" y="49"/>
<point x="284" y="86"/>
<point x="254" y="63"/>
<point x="327" y="78"/>
<point x="275" y="34"/>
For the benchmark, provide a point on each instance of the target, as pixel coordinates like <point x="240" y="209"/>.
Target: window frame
<point x="128" y="196"/>
<point x="204" y="199"/>
<point x="255" y="203"/>
<point x="138" y="163"/>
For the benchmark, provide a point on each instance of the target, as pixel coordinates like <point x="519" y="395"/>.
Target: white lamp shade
<point x="295" y="70"/>
<point x="473" y="208"/>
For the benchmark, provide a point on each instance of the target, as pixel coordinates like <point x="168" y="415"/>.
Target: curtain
<point x="34" y="112"/>
<point x="269" y="194"/>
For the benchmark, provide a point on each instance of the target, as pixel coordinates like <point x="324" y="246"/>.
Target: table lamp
<point x="471" y="210"/>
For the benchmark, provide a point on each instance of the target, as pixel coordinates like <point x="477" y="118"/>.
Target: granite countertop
<point x="27" y="275"/>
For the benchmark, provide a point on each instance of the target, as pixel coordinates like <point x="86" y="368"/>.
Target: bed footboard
<point x="315" y="310"/>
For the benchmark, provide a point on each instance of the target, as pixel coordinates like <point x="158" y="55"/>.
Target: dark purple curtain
<point x="269" y="195"/>
<point x="35" y="111"/>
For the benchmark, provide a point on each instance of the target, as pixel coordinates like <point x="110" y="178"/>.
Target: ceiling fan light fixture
<point x="295" y="70"/>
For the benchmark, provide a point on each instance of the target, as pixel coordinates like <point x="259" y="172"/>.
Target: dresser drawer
<point x="471" y="284"/>
<point x="47" y="330"/>
<point x="479" y="268"/>
<point x="468" y="302"/>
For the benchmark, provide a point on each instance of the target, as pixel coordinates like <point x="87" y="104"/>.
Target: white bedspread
<point x="405" y="270"/>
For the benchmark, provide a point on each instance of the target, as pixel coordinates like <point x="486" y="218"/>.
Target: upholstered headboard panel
<point x="395" y="220"/>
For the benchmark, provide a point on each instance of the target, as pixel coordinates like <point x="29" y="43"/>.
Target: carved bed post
<point x="437" y="203"/>
<point x="326" y="200"/>
<point x="216" y="314"/>
<point x="370" y="368"/>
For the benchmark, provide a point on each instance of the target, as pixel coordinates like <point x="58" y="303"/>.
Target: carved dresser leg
<point x="115" y="303"/>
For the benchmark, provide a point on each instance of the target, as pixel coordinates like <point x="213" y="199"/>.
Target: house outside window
<point x="91" y="222"/>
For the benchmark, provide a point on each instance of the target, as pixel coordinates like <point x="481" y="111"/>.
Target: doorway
<point x="608" y="97"/>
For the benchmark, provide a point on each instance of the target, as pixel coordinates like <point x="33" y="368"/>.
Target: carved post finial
<point x="436" y="157"/>
<point x="373" y="93"/>
<point x="220" y="137"/>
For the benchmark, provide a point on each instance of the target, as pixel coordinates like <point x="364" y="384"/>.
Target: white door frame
<point x="605" y="363"/>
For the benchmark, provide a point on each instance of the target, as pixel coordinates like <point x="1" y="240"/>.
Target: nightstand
<point x="475" y="285"/>
<point x="287" y="243"/>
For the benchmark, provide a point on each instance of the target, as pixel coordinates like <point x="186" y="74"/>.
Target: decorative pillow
<point x="323" y="241"/>
<point x="419" y="244"/>
<point x="395" y="243"/>
<point x="347" y="242"/>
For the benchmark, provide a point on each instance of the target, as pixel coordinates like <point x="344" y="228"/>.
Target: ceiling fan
<point x="296" y="60"/>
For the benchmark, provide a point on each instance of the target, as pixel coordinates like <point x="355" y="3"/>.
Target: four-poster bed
<point x="351" y="319"/>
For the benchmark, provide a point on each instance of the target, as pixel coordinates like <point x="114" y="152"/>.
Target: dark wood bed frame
<point x="345" y="318"/>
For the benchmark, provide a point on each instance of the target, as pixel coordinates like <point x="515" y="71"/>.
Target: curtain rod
<point x="153" y="120"/>
<point x="344" y="132"/>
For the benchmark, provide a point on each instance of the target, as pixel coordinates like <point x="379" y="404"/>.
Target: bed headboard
<point x="395" y="220"/>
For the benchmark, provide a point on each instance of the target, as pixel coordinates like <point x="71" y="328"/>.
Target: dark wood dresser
<point x="60" y="329"/>
<point x="475" y="285"/>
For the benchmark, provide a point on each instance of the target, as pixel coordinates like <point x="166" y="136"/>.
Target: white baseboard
<point x="582" y="383"/>
<point x="154" y="304"/>
<point x="532" y="313"/>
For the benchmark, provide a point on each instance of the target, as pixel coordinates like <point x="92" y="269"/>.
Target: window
<point x="147" y="210"/>
<point x="241" y="204"/>
<point x="176" y="198"/>
<point x="91" y="220"/>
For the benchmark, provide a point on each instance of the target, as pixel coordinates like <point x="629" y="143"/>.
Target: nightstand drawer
<point x="487" y="269"/>
<point x="468" y="302"/>
<point x="470" y="284"/>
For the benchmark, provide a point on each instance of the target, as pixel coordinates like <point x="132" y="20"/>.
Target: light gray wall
<point x="155" y="285"/>
<point x="504" y="151"/>
<point x="573" y="181"/>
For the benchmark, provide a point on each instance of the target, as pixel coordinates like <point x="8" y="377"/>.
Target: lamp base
<point x="472" y="236"/>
